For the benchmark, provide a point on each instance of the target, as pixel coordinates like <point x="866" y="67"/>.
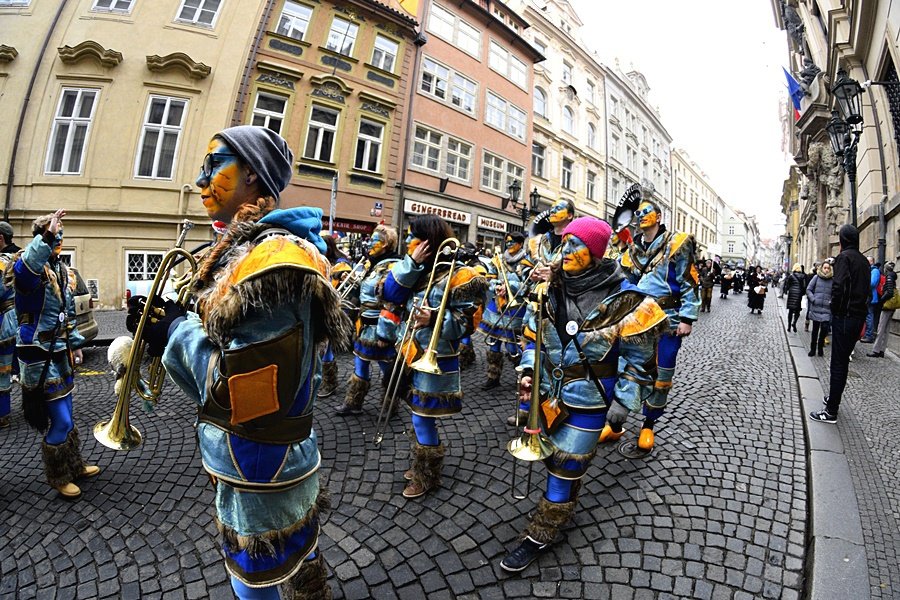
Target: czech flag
<point x="795" y="91"/>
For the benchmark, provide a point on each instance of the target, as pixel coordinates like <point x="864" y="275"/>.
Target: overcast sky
<point x="714" y="70"/>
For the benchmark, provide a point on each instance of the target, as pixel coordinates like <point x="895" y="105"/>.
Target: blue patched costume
<point x="9" y="327"/>
<point x="501" y="323"/>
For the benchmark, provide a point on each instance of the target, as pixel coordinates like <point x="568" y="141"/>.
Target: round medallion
<point x="62" y="317"/>
<point x="571" y="327"/>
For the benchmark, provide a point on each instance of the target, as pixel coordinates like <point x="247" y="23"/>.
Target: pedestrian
<point x="727" y="279"/>
<point x="707" y="282"/>
<point x="818" y="302"/>
<point x="850" y="294"/>
<point x="737" y="281"/>
<point x="249" y="357"/>
<point x="600" y="334"/>
<point x="661" y="263"/>
<point x="809" y="276"/>
<point x="795" y="288"/>
<point x="9" y="326"/>
<point x="874" y="312"/>
<point x="886" y="305"/>
<point x="756" y="290"/>
<point x="48" y="345"/>
<point x="435" y="393"/>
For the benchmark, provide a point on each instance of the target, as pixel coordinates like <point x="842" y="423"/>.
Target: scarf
<point x="581" y="294"/>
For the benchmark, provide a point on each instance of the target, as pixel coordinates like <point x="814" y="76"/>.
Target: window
<point x="730" y="247"/>
<point x="591" y="181"/>
<point x="320" y="133"/>
<point x="14" y="2"/>
<point x="108" y="5"/>
<point x="368" y="146"/>
<point x="427" y="149"/>
<point x="505" y="116"/>
<point x="541" y="47"/>
<point x="568" y="120"/>
<point x="385" y="53"/>
<point x="199" y="12"/>
<point x="614" y="107"/>
<point x="615" y="147"/>
<point x="591" y="136"/>
<point x="590" y="92"/>
<point x="567" y="73"/>
<point x="142" y="266"/>
<point x="731" y="230"/>
<point x="502" y="61"/>
<point x="342" y="36"/>
<point x="70" y="131"/>
<point x="159" y="140"/>
<point x="540" y="102"/>
<point x="538" y="153"/>
<point x="294" y="20"/>
<point x="497" y="174"/>
<point x="454" y="30"/>
<point x="436" y="79"/>
<point x="459" y="159"/>
<point x="269" y="111"/>
<point x="567" y="173"/>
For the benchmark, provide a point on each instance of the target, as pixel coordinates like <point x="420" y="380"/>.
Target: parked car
<point x="84" y="308"/>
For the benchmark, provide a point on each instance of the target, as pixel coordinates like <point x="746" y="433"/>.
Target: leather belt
<point x="7" y="305"/>
<point x="601" y="370"/>
<point x="667" y="302"/>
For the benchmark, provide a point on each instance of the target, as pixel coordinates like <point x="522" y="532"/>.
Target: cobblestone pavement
<point x="718" y="511"/>
<point x="868" y="423"/>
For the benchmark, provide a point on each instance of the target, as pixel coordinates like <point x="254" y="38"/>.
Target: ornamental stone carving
<point x="89" y="49"/>
<point x="178" y="61"/>
<point x="7" y="53"/>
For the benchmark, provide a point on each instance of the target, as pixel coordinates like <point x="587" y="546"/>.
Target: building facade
<point x="470" y="137"/>
<point x="568" y="149"/>
<point x="694" y="201"/>
<point x="638" y="145"/>
<point x="128" y="93"/>
<point x="738" y="248"/>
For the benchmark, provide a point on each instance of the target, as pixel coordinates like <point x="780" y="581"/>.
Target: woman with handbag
<point x="818" y="301"/>
<point x="795" y="289"/>
<point x="600" y="334"/>
<point x="890" y="301"/>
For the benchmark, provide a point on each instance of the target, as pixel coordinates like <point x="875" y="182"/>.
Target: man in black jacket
<point x="849" y="306"/>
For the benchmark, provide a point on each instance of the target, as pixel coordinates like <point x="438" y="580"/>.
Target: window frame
<point x="112" y="9"/>
<point x="508" y="60"/>
<point x="161" y="128"/>
<point x="428" y="144"/>
<point x="71" y="122"/>
<point x="543" y="95"/>
<point x="590" y="185"/>
<point x="267" y="114"/>
<point x="145" y="253"/>
<point x="507" y="116"/>
<point x="322" y="126"/>
<point x="345" y="35"/>
<point x="450" y="86"/>
<point x="567" y="112"/>
<point x="284" y="10"/>
<point x="538" y="170"/>
<point x="194" y="22"/>
<point x="567" y="175"/>
<point x="369" y="142"/>
<point x="394" y="56"/>
<point x="591" y="136"/>
<point x="457" y="29"/>
<point x="469" y="158"/>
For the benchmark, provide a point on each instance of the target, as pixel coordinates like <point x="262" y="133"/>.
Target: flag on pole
<point x="795" y="91"/>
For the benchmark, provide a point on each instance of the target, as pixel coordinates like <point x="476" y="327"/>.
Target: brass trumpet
<point x="352" y="278"/>
<point x="532" y="445"/>
<point x="117" y="432"/>
<point x="398" y="371"/>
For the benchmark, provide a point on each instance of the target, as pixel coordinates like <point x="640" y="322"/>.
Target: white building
<point x="695" y="204"/>
<point x="735" y="235"/>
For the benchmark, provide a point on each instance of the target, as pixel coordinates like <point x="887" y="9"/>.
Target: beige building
<point x="127" y="94"/>
<point x="694" y="203"/>
<point x="569" y="141"/>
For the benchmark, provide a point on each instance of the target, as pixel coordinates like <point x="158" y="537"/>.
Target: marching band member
<point x="373" y="342"/>
<point x="9" y="326"/>
<point x="543" y="246"/>
<point x="503" y="327"/>
<point x="599" y="339"/>
<point x="340" y="268"/>
<point x="661" y="264"/>
<point x="249" y="357"/>
<point x="433" y="395"/>
<point x="49" y="346"/>
<point x="466" y="349"/>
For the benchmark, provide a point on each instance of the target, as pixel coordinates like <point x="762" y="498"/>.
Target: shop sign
<point x="421" y="208"/>
<point x="353" y="226"/>
<point x="492" y="224"/>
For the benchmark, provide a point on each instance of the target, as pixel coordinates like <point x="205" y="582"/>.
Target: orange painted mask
<point x="512" y="246"/>
<point x="575" y="255"/>
<point x="646" y="215"/>
<point x="412" y="243"/>
<point x="559" y="212"/>
<point x="378" y="243"/>
<point x="219" y="181"/>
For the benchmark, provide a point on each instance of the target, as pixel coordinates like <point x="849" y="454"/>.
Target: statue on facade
<point x="808" y="75"/>
<point x="793" y="24"/>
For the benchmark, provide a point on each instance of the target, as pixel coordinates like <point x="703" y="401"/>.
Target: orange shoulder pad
<point x="279" y="252"/>
<point x="625" y="259"/>
<point x="463" y="275"/>
<point x="645" y="317"/>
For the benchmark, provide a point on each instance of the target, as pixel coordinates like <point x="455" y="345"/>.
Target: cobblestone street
<point x="718" y="511"/>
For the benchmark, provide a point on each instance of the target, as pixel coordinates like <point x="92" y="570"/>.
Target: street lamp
<point x="525" y="211"/>
<point x="844" y="139"/>
<point x="848" y="93"/>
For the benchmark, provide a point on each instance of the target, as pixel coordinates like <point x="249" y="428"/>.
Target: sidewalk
<point x="867" y="437"/>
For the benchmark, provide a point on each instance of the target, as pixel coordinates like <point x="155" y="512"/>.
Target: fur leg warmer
<point x="311" y="581"/>
<point x="494" y="364"/>
<point x="427" y="464"/>
<point x="63" y="463"/>
<point x="356" y="393"/>
<point x="329" y="379"/>
<point x="466" y="356"/>
<point x="547" y="519"/>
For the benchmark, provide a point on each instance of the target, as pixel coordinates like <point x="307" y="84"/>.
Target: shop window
<point x="69" y="136"/>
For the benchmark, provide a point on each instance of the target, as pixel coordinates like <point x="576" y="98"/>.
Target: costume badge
<point x="571" y="327"/>
<point x="62" y="317"/>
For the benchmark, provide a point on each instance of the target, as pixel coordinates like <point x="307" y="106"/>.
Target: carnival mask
<point x="219" y="181"/>
<point x="559" y="212"/>
<point x="377" y="244"/>
<point x="57" y="242"/>
<point x="646" y="215"/>
<point x="576" y="258"/>
<point x="412" y="242"/>
<point x="512" y="246"/>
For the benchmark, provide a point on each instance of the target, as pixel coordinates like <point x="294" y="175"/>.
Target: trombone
<point x="532" y="445"/>
<point x="428" y="362"/>
<point x="350" y="280"/>
<point x="117" y="432"/>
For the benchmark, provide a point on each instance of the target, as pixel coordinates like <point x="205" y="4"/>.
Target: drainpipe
<point x="238" y="112"/>
<point x="882" y="222"/>
<point x="11" y="175"/>
<point x="420" y="41"/>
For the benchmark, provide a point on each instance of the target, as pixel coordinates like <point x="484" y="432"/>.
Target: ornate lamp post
<point x="845" y="127"/>
<point x="525" y="210"/>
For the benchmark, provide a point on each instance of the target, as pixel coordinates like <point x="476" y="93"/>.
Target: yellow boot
<point x="608" y="435"/>
<point x="646" y="439"/>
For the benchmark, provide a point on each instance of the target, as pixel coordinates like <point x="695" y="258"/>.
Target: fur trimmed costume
<point x="264" y="287"/>
<point x="501" y="326"/>
<point x="9" y="326"/>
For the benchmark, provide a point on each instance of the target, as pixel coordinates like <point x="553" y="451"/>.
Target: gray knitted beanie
<point x="265" y="152"/>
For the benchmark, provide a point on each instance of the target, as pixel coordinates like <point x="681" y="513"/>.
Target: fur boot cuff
<point x="311" y="581"/>
<point x="63" y="463"/>
<point x="494" y="364"/>
<point x="356" y="392"/>
<point x="427" y="464"/>
<point x="547" y="519"/>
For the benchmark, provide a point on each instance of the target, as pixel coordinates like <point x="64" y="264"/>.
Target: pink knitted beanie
<point x="593" y="232"/>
